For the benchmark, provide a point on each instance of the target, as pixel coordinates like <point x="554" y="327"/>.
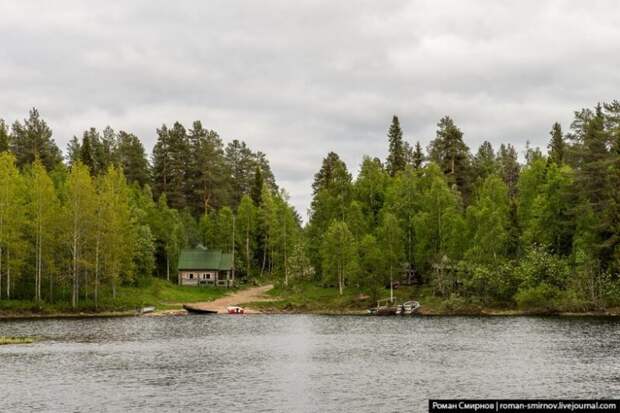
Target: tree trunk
<point x="75" y="273"/>
<point x="167" y="267"/>
<point x="247" y="251"/>
<point x="340" y="279"/>
<point x="8" y="274"/>
<point x="233" y="251"/>
<point x="391" y="286"/>
<point x="262" y="269"/>
<point x="285" y="256"/>
<point x="0" y="272"/>
<point x="97" y="273"/>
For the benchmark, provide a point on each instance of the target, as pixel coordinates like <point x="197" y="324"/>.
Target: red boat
<point x="235" y="310"/>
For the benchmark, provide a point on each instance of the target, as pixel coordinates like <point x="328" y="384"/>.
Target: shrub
<point x="539" y="298"/>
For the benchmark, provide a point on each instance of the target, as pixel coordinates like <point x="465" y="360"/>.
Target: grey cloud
<point x="298" y="79"/>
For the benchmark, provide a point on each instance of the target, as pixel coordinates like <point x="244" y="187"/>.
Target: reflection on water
<point x="302" y="363"/>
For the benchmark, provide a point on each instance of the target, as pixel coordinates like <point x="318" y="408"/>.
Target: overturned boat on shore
<point x="197" y="310"/>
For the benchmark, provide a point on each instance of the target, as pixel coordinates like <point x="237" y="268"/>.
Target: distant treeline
<point x="70" y="230"/>
<point x="479" y="228"/>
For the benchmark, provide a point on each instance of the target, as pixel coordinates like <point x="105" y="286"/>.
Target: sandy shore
<point x="238" y="298"/>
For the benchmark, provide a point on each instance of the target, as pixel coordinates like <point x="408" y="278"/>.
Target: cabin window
<point x="191" y="276"/>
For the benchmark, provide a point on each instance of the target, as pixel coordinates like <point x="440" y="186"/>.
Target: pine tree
<point x="34" y="138"/>
<point x="396" y="159"/>
<point x="169" y="155"/>
<point x="241" y="163"/>
<point x="556" y="145"/>
<point x="206" y="172"/>
<point x="131" y="157"/>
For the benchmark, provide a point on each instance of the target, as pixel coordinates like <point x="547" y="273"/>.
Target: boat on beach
<point x="146" y="310"/>
<point x="196" y="310"/>
<point x="233" y="309"/>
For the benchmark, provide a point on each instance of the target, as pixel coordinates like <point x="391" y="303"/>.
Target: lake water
<point x="306" y="363"/>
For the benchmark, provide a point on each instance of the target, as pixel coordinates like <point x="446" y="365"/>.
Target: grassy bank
<point x="16" y="340"/>
<point x="159" y="293"/>
<point x="305" y="297"/>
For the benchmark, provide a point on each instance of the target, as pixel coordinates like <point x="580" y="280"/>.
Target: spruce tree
<point x="556" y="145"/>
<point x="74" y="149"/>
<point x="509" y="167"/>
<point x="449" y="151"/>
<point x="4" y="136"/>
<point x="484" y="162"/>
<point x="257" y="186"/>
<point x="418" y="156"/>
<point x="87" y="151"/>
<point x="396" y="159"/>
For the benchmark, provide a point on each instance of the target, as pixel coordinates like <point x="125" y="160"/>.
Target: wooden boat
<point x="196" y="310"/>
<point x="233" y="309"/>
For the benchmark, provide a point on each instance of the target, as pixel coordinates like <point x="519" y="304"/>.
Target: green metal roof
<point x="203" y="259"/>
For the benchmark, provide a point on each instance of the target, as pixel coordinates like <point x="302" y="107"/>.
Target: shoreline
<point x="254" y="311"/>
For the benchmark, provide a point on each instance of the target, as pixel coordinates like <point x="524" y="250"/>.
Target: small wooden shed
<point x="201" y="266"/>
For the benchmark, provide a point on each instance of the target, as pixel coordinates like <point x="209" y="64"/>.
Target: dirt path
<point x="240" y="297"/>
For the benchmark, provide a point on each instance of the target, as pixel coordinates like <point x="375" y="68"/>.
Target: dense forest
<point x="489" y="228"/>
<point x="479" y="227"/>
<point x="73" y="230"/>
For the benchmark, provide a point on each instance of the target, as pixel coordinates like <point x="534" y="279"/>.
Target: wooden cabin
<point x="200" y="267"/>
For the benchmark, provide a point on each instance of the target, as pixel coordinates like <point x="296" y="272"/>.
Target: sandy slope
<point x="239" y="298"/>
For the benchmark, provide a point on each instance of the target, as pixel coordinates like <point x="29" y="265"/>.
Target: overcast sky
<point x="298" y="79"/>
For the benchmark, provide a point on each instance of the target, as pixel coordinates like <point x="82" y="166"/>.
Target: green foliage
<point x="538" y="298"/>
<point x="488" y="223"/>
<point x="339" y="255"/>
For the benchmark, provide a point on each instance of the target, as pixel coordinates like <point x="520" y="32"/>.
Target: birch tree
<point x="42" y="214"/>
<point x="11" y="216"/>
<point x="246" y="231"/>
<point x="79" y="211"/>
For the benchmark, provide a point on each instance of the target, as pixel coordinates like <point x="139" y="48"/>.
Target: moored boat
<point x="409" y="307"/>
<point x="197" y="310"/>
<point x="233" y="309"/>
<point x="384" y="307"/>
<point x="389" y="307"/>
